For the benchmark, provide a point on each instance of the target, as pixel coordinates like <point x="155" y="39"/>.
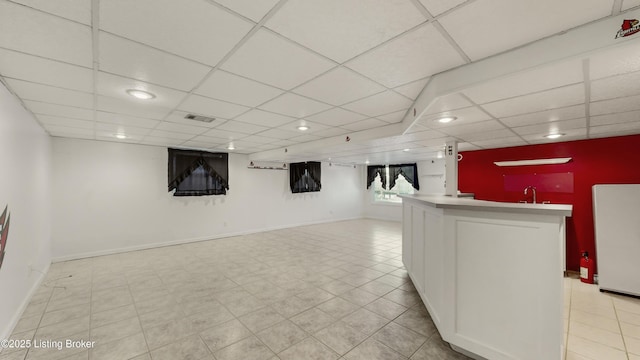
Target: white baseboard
<point x="191" y="240"/>
<point x="6" y="332"/>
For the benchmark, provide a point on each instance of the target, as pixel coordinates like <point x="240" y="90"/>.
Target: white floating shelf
<point x="533" y="162"/>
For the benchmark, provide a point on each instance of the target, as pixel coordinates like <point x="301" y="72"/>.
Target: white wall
<point x="431" y="178"/>
<point x="25" y="187"/>
<point x="111" y="197"/>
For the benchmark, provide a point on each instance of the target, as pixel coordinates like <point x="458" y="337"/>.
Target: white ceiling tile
<point x="211" y="140"/>
<point x="59" y="110"/>
<point x="610" y="119"/>
<point x="623" y="104"/>
<point x="412" y="89"/>
<point x="437" y="7"/>
<point x="107" y="117"/>
<point x="240" y="127"/>
<point x="465" y="146"/>
<point x="551" y="127"/>
<point x="233" y="88"/>
<point x="49" y="72"/>
<point x="70" y="132"/>
<point x="189" y="28"/>
<point x="360" y="25"/>
<point x="111" y="136"/>
<point x="160" y="141"/>
<point x="313" y="127"/>
<point x="281" y="63"/>
<point x="394" y="117"/>
<point x="463" y="116"/>
<point x="117" y="86"/>
<point x="365" y="124"/>
<point x="114" y="129"/>
<point x="336" y="117"/>
<point x="31" y="32"/>
<point x="294" y="105"/>
<point x="339" y="86"/>
<point x="544" y="78"/>
<point x="264" y="118"/>
<point x="467" y="129"/>
<point x="170" y="135"/>
<point x="127" y="107"/>
<point x="486" y="135"/>
<point x="380" y="104"/>
<point x="224" y="134"/>
<point x="254" y="10"/>
<point x="435" y="143"/>
<point x="49" y="94"/>
<point x="305" y="138"/>
<point x="615" y="129"/>
<point x="628" y="4"/>
<point x="279" y="134"/>
<point x="571" y="134"/>
<point x="148" y="64"/>
<point x="550" y="99"/>
<point x="198" y="144"/>
<point x="76" y="10"/>
<point x="210" y="107"/>
<point x="179" y="117"/>
<point x="500" y="143"/>
<point x="481" y="28"/>
<point x="412" y="56"/>
<point x="566" y="113"/>
<point x="181" y="128"/>
<point x="615" y="61"/>
<point x="62" y="121"/>
<point x="616" y="86"/>
<point x="332" y="131"/>
<point x="257" y="139"/>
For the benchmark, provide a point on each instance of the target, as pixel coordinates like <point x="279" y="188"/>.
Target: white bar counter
<point x="489" y="273"/>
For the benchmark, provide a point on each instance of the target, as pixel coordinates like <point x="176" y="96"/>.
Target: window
<point x="388" y="184"/>
<point x="198" y="173"/>
<point x="305" y="177"/>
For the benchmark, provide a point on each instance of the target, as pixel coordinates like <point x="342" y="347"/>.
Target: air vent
<point x="199" y="118"/>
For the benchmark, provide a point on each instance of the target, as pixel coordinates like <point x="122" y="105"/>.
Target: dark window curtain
<point x="372" y="172"/>
<point x="305" y="176"/>
<point x="409" y="171"/>
<point x="197" y="173"/>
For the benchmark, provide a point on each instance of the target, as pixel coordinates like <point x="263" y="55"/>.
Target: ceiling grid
<point x="342" y="67"/>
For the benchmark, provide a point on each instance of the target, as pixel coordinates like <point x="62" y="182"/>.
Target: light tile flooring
<point x="331" y="291"/>
<point x="600" y="325"/>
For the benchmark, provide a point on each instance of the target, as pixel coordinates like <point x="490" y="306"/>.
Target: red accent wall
<point x="614" y="160"/>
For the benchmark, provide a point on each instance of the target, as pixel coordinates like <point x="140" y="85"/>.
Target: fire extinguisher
<point x="587" y="266"/>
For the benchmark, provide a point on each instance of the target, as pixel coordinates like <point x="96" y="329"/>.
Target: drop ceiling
<point x="344" y="68"/>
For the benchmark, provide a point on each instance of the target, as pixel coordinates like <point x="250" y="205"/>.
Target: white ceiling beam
<point x="574" y="43"/>
<point x="577" y="42"/>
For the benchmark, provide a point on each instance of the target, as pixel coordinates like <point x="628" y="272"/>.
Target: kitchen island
<point x="489" y="273"/>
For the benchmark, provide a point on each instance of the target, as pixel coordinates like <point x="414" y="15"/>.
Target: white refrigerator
<point x="616" y="212"/>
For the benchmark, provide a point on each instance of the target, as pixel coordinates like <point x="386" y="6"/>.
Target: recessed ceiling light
<point x="367" y="162"/>
<point x="446" y="119"/>
<point x="553" y="136"/>
<point x="121" y="136"/>
<point x="140" y="94"/>
<point x="405" y="150"/>
<point x="231" y="147"/>
<point x="439" y="155"/>
<point x="303" y="128"/>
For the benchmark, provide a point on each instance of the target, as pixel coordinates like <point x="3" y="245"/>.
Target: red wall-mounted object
<point x="614" y="160"/>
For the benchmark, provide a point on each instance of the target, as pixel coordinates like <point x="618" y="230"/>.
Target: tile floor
<point x="600" y="325"/>
<point x="331" y="291"/>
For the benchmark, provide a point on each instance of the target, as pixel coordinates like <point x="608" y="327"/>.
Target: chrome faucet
<point x="533" y="190"/>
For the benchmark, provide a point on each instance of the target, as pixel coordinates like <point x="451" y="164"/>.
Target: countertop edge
<point x="447" y="202"/>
